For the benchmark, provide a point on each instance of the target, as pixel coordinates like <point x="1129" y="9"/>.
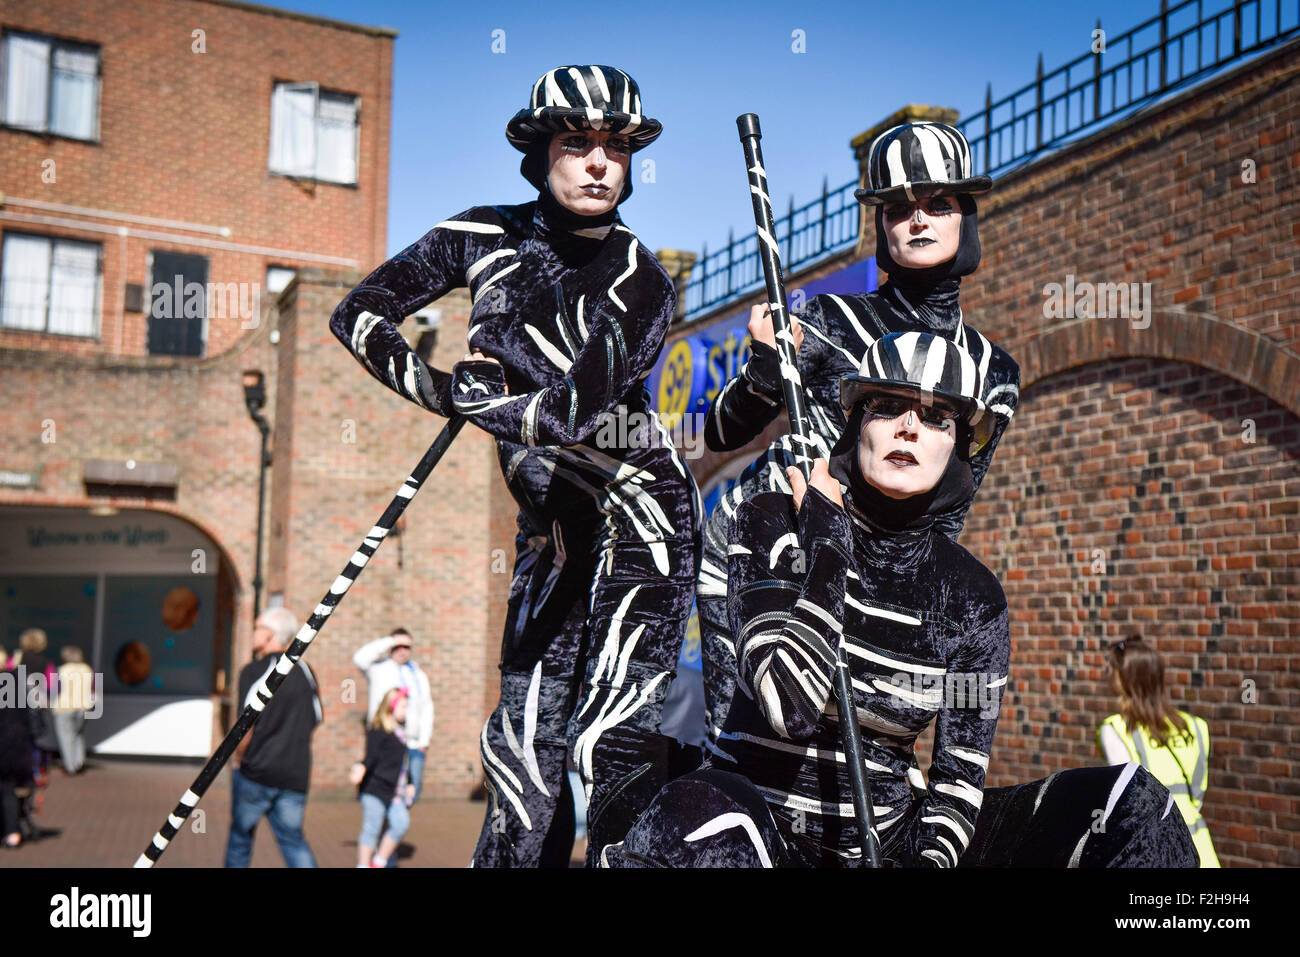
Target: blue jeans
<point x="415" y="770"/>
<point x="283" y="808"/>
<point x="373" y="811"/>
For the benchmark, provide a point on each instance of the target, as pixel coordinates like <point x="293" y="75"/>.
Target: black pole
<point x="248" y="717"/>
<point x="262" y="463"/>
<point x="800" y="436"/>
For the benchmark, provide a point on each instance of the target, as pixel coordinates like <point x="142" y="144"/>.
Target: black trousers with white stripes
<point x="1118" y="816"/>
<point x="594" y="626"/>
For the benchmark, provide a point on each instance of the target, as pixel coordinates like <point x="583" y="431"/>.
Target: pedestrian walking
<point x="385" y="790"/>
<point x="1172" y="744"/>
<point x="387" y="664"/>
<point x="273" y="768"/>
<point x="76" y="696"/>
<point x="31" y="663"/>
<point x="15" y="758"/>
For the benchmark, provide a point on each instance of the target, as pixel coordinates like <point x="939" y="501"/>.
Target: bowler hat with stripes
<point x="922" y="367"/>
<point x="918" y="160"/>
<point x="583" y="98"/>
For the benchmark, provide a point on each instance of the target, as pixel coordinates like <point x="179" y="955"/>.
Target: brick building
<point x="1150" y="481"/>
<point x="168" y="168"/>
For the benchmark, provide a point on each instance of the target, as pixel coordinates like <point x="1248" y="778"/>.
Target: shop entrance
<point x="147" y="597"/>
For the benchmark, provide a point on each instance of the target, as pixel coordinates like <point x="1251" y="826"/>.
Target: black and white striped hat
<point x="583" y="98"/>
<point x="916" y="160"/>
<point x="918" y="365"/>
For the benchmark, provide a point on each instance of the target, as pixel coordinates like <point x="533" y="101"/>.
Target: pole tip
<point x="747" y="123"/>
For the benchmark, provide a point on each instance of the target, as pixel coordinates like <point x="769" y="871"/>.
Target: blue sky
<point x="699" y="65"/>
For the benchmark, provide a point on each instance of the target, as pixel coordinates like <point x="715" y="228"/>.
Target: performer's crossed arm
<point x="622" y="332"/>
<point x="786" y="583"/>
<point x="963" y="737"/>
<point x="366" y="320"/>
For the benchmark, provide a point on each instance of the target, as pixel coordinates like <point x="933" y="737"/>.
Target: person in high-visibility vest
<point x="1172" y="744"/>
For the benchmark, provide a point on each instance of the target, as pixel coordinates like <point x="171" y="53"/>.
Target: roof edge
<point x="308" y="17"/>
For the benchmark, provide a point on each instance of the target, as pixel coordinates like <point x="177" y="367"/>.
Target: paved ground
<point x="106" y="816"/>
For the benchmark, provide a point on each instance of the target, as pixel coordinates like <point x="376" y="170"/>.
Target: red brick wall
<point x="1126" y="499"/>
<point x="185" y="136"/>
<point x="177" y="411"/>
<point x="324" y="494"/>
<point x="1144" y="459"/>
<point x="1161" y="201"/>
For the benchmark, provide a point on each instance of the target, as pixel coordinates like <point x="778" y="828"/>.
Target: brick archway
<point x="1200" y="339"/>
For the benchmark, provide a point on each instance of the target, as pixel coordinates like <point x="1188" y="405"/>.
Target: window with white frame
<point x="314" y="133"/>
<point x="278" y="277"/>
<point x="49" y="285"/>
<point x="49" y="85"/>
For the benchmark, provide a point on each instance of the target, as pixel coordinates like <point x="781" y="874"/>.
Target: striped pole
<point x="801" y="442"/>
<point x="267" y="688"/>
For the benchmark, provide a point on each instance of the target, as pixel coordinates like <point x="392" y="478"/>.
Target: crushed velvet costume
<point x="575" y="310"/>
<point x="907" y="160"/>
<point x="838" y="331"/>
<point x="923" y="626"/>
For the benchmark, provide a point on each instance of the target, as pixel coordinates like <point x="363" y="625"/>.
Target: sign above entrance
<point x="72" y="541"/>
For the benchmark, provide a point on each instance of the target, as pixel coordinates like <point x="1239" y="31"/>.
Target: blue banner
<point x="692" y="370"/>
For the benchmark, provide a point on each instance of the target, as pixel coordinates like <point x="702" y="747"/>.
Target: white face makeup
<point x="904" y="447"/>
<point x="588" y="170"/>
<point x="924" y="233"/>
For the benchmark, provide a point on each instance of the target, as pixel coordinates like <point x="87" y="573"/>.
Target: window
<point x="314" y="133"/>
<point x="51" y="86"/>
<point x="49" y="285"/>
<point x="277" y="277"/>
<point x="178" y="303"/>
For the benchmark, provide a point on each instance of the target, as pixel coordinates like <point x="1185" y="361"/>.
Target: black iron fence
<point x="1120" y="74"/>
<point x="804" y="233"/>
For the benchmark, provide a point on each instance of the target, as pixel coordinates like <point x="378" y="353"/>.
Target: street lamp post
<point x="255" y="399"/>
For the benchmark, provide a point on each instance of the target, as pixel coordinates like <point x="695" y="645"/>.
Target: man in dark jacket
<point x="274" y="760"/>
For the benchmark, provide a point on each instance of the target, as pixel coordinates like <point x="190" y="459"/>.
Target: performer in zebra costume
<point x="569" y="316"/>
<point x="856" y="566"/>
<point x="927" y="238"/>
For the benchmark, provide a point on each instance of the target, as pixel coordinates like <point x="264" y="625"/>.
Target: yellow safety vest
<point x="1182" y="767"/>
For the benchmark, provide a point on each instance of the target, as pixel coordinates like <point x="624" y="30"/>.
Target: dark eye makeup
<point x="931" y="415"/>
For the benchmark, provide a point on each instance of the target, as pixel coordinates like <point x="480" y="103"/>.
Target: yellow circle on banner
<point x="675" y="383"/>
<point x="691" y="640"/>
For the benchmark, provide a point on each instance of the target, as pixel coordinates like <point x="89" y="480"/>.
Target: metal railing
<point x="804" y="234"/>
<point x="1118" y="76"/>
<point x="1121" y="74"/>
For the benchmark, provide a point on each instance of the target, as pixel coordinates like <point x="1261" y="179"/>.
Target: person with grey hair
<point x="273" y="762"/>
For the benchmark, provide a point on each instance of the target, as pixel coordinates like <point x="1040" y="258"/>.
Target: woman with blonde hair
<point x="76" y="696"/>
<point x="1172" y="744"/>
<point x="382" y="778"/>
